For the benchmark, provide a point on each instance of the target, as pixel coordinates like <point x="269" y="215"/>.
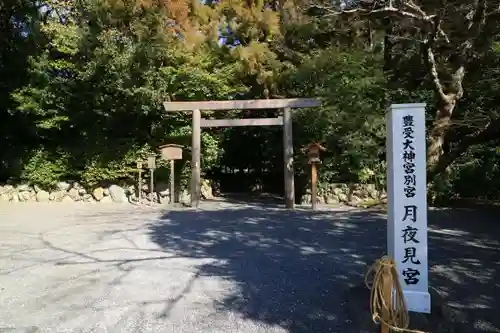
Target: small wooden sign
<point x="171" y="151"/>
<point x="152" y="161"/>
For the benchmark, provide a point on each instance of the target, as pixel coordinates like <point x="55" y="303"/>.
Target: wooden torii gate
<point x="286" y="121"/>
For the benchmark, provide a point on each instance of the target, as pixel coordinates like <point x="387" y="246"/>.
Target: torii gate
<point x="286" y="121"/>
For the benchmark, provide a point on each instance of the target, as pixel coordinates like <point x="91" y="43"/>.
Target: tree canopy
<point x="82" y="82"/>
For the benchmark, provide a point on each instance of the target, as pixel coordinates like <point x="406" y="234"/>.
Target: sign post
<point x="171" y="152"/>
<point x="313" y="150"/>
<point x="152" y="167"/>
<point x="407" y="201"/>
<point x="139" y="180"/>
<point x="172" y="181"/>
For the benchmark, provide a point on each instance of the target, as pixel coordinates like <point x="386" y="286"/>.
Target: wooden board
<point x="241" y="122"/>
<point x="171" y="153"/>
<point x="243" y="104"/>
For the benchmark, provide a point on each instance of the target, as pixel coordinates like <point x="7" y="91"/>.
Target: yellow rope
<point x="395" y="316"/>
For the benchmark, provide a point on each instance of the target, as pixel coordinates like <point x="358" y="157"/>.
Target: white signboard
<point x="407" y="201"/>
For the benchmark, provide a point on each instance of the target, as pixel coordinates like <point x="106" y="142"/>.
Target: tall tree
<point x="448" y="37"/>
<point x="18" y="41"/>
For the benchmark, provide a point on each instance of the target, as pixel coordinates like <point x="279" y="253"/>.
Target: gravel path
<point x="227" y="268"/>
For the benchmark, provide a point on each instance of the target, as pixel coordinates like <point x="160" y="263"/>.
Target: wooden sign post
<point x="139" y="180"/>
<point x="152" y="167"/>
<point x="407" y="202"/>
<point x="314" y="186"/>
<point x="171" y="152"/>
<point x="313" y="150"/>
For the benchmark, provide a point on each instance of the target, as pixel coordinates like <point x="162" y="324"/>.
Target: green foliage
<point x="99" y="168"/>
<point x="351" y="124"/>
<point x="45" y="169"/>
<point x="82" y="86"/>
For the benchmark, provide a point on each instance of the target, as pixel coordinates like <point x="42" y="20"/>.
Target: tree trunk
<point x="437" y="134"/>
<point x="488" y="135"/>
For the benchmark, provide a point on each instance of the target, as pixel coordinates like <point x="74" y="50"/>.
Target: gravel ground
<point x="226" y="268"/>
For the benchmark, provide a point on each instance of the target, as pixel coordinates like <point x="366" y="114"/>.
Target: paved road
<point x="227" y="268"/>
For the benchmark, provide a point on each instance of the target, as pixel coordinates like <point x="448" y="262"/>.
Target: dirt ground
<point x="225" y="268"/>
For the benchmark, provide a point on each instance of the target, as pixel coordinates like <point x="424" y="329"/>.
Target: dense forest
<point x="82" y="84"/>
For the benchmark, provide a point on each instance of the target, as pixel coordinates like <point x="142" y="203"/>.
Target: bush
<point x="45" y="169"/>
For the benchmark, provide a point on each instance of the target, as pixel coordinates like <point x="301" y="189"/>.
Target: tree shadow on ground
<point x="291" y="268"/>
<point x="464" y="255"/>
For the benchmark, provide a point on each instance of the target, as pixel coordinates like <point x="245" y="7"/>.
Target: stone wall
<point x="346" y="193"/>
<point x="65" y="192"/>
<point x="74" y="192"/>
<point x="126" y="193"/>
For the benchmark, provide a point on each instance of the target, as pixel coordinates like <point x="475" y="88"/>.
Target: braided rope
<point x="395" y="316"/>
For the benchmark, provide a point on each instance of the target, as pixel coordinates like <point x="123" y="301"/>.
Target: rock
<point x="331" y="199"/>
<point x="206" y="190"/>
<point x="129" y="189"/>
<point x="320" y="199"/>
<point x="57" y="196"/>
<point x="15" y="197"/>
<point x="98" y="193"/>
<point x="82" y="191"/>
<point x="87" y="197"/>
<point x="24" y="196"/>
<point x="106" y="191"/>
<point x="163" y="189"/>
<point x="185" y="197"/>
<point x="153" y="197"/>
<point x="76" y="185"/>
<point x="342" y="186"/>
<point x="117" y="193"/>
<point x="106" y="199"/>
<point x="74" y="194"/>
<point x="37" y="188"/>
<point x="5" y="197"/>
<point x="67" y="199"/>
<point x="164" y="200"/>
<point x="306" y="199"/>
<point x="371" y="190"/>
<point x="42" y="196"/>
<point x="164" y="193"/>
<point x="326" y="199"/>
<point x="63" y="186"/>
<point x="359" y="193"/>
<point x="23" y="188"/>
<point x="355" y="200"/>
<point x="6" y="189"/>
<point x="341" y="194"/>
<point x="352" y="192"/>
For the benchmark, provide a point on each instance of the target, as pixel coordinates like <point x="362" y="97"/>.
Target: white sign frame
<point x="407" y="201"/>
